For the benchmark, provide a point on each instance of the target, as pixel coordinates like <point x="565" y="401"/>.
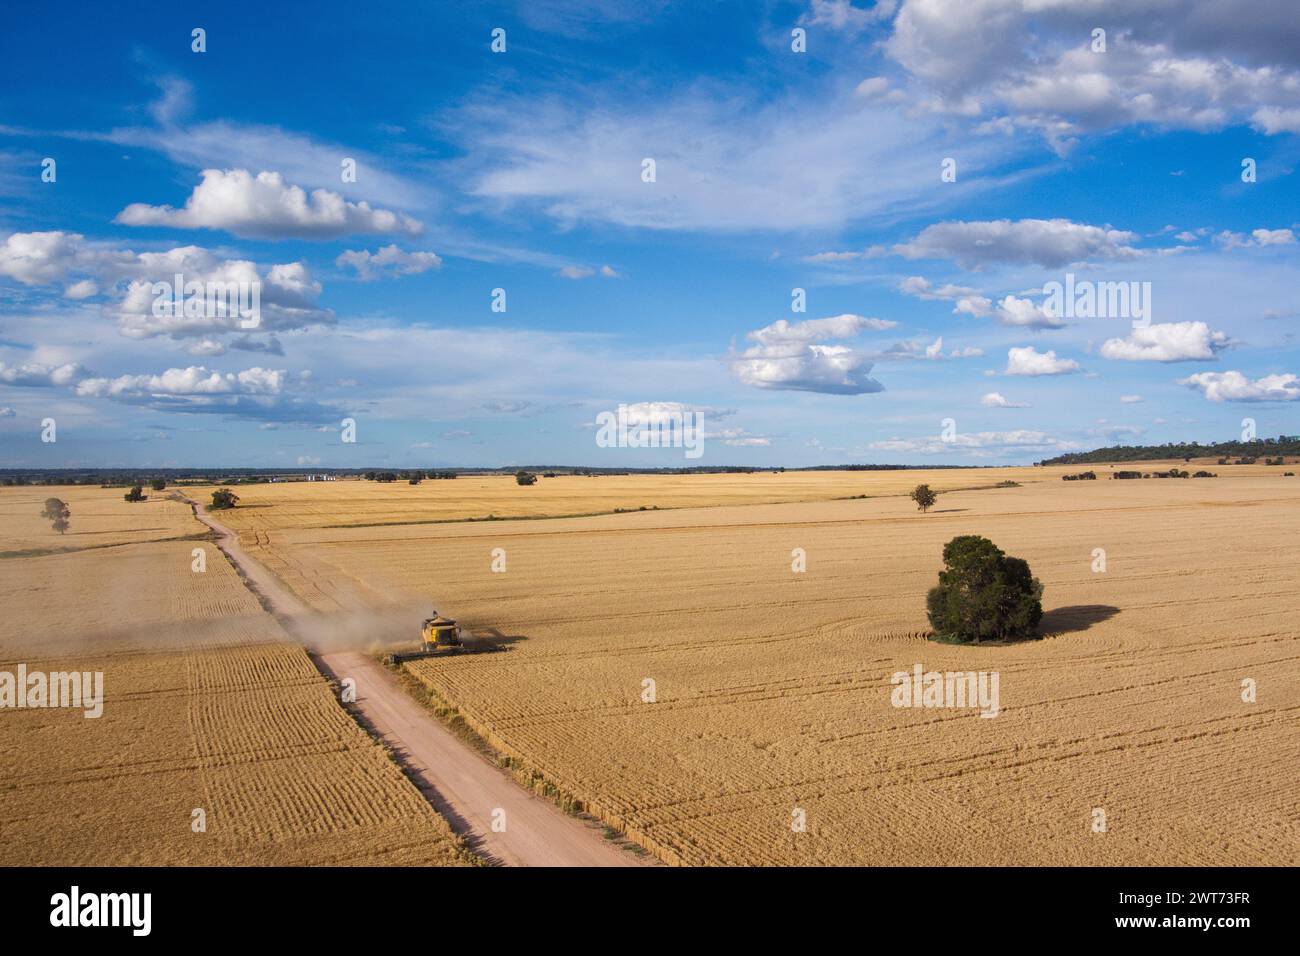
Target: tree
<point x="924" y="496"/>
<point x="223" y="499"/>
<point x="982" y="593"/>
<point x="525" y="478"/>
<point x="136" y="494"/>
<point x="158" y="484"/>
<point x="416" y="478"/>
<point x="58" y="513"/>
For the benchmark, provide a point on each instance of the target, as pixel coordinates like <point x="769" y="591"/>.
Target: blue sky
<point x="521" y="170"/>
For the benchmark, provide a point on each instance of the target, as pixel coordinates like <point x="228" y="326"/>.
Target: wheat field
<point x="772" y="687"/>
<point x="771" y="697"/>
<point x="100" y="518"/>
<point x="355" y="502"/>
<point x="207" y="706"/>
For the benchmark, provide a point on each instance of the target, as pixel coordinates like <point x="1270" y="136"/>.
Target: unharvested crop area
<point x="354" y="502"/>
<point x="208" y="705"/>
<point x="773" y="687"/>
<point x="270" y="507"/>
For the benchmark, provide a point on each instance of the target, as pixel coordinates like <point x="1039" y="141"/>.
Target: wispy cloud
<point x="386" y="262"/>
<point x="721" y="163"/>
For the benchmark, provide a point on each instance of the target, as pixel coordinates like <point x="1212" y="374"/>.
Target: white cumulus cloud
<point x="1025" y="313"/>
<point x="1168" y="342"/>
<point x="265" y="206"/>
<point x="788" y="356"/>
<point x="1029" y="64"/>
<point x="1029" y="361"/>
<point x="1236" y="387"/>
<point x="37" y="375"/>
<point x="998" y="400"/>
<point x="194" y="380"/>
<point x="131" y="282"/>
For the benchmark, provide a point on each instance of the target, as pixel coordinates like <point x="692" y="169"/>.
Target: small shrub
<point x="136" y="494"/>
<point x="525" y="478"/>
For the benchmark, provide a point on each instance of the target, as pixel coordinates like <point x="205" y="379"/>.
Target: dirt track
<point x="466" y="788"/>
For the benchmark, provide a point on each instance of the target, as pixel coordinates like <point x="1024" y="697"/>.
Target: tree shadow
<point x="947" y="511"/>
<point x="1077" y="617"/>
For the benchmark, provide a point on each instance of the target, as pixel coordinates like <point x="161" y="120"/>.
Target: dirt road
<point x="499" y="819"/>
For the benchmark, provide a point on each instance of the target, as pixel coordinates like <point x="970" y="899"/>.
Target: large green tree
<point x="983" y="594"/>
<point x="223" y="499"/>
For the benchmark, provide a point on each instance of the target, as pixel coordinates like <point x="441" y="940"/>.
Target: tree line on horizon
<point x="1282" y="445"/>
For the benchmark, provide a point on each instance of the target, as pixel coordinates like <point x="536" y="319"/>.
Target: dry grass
<point x="208" y="705"/>
<point x="773" y="687"/>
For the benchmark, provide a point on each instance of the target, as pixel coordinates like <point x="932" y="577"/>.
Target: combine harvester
<point x="439" y="637"/>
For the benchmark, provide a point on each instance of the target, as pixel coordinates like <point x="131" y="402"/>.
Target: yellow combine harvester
<point x="440" y="635"/>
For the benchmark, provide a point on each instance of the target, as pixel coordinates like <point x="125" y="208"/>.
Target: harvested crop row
<point x="773" y="688"/>
<point x="207" y="706"/>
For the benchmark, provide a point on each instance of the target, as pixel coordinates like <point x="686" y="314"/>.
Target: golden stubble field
<point x="773" y="687"/>
<point x="207" y="705"/>
<point x="270" y="507"/>
<point x="354" y="502"/>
